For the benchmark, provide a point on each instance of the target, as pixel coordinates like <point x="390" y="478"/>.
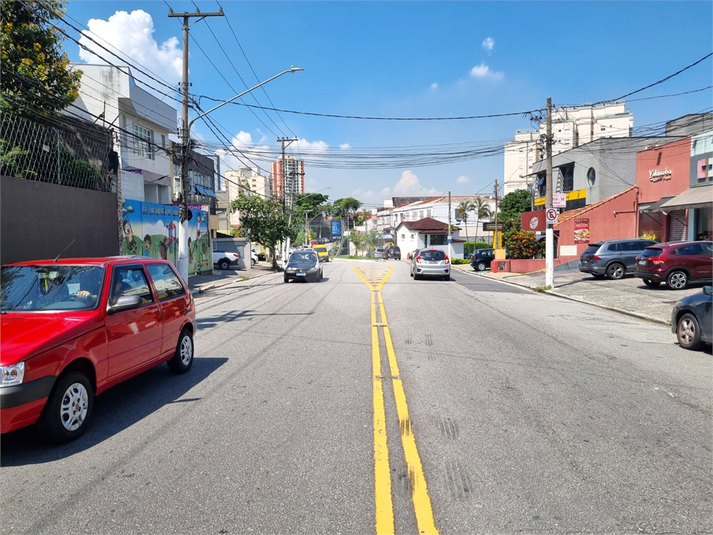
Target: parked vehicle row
<point x="675" y="263"/>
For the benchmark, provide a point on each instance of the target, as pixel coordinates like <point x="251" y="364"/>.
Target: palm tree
<point x="463" y="208"/>
<point x="481" y="209"/>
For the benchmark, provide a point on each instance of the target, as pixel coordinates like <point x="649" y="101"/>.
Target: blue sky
<point x="409" y="60"/>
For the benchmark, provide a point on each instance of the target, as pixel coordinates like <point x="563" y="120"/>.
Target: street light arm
<point x="292" y="69"/>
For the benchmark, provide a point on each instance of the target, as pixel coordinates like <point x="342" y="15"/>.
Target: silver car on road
<point x="430" y="263"/>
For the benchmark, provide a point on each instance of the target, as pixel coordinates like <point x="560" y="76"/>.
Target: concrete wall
<point x="38" y="220"/>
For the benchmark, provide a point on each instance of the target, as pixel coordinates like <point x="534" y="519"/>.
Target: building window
<point x="143" y="139"/>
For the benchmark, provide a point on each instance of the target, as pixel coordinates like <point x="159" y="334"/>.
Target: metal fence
<point x="60" y="150"/>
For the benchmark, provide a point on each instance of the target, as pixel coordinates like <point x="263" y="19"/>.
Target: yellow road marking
<point x="419" y="490"/>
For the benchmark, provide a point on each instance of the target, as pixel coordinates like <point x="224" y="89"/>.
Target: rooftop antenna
<point x="63" y="250"/>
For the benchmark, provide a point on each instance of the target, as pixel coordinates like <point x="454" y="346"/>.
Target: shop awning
<point x="654" y="206"/>
<point x="695" y="197"/>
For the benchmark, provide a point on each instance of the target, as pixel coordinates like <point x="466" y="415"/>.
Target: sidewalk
<point x="203" y="283"/>
<point x="628" y="295"/>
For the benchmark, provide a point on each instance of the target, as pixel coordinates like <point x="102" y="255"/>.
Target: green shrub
<point x="460" y="261"/>
<point x="521" y="244"/>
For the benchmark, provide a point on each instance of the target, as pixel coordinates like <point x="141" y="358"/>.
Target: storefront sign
<point x="490" y="227"/>
<point x="533" y="221"/>
<point x="559" y="200"/>
<point x="581" y="231"/>
<point x="656" y="174"/>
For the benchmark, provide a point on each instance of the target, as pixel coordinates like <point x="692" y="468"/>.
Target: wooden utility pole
<point x="184" y="214"/>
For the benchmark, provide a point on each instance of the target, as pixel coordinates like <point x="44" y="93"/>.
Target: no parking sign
<point x="551" y="216"/>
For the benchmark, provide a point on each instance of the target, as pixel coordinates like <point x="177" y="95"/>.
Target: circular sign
<point x="551" y="215"/>
<point x="534" y="222"/>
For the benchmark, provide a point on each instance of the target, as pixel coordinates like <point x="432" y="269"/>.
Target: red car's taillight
<point x="658" y="259"/>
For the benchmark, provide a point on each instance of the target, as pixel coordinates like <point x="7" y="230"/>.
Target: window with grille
<point x="143" y="138"/>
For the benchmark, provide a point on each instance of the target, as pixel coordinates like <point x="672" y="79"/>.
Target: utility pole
<point x="285" y="203"/>
<point x="549" y="233"/>
<point x="450" y="238"/>
<point x="184" y="215"/>
<point x="496" y="241"/>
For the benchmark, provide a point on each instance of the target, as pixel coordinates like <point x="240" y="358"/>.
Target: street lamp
<point x="183" y="226"/>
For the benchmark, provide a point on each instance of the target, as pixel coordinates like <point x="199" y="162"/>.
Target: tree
<point x="35" y="73"/>
<point x="263" y="221"/>
<point x="345" y="208"/>
<point x="463" y="208"/>
<point x="481" y="209"/>
<point x="512" y="205"/>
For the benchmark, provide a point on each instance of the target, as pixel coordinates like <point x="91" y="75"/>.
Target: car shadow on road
<point x="115" y="410"/>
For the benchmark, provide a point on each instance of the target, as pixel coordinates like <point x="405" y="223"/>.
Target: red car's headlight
<point x="12" y="375"/>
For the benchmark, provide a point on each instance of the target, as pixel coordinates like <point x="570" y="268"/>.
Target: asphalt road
<point x="468" y="406"/>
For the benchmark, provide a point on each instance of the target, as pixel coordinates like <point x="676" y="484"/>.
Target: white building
<point x="142" y="124"/>
<point x="438" y="208"/>
<point x="571" y="127"/>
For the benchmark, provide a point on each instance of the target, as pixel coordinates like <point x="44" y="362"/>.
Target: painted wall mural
<point x="152" y="230"/>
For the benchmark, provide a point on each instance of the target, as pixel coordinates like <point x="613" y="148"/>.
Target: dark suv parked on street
<point x="676" y="263"/>
<point x="393" y="252"/>
<point x="612" y="258"/>
<point x="481" y="258"/>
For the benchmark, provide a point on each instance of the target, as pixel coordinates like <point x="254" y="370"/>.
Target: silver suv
<point x="612" y="258"/>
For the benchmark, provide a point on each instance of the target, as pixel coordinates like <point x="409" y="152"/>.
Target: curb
<point x="550" y="292"/>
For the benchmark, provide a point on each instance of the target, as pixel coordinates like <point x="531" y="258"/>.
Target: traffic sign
<point x="559" y="200"/>
<point x="551" y="216"/>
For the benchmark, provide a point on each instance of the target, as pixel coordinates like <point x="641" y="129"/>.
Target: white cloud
<point x="462" y="179"/>
<point x="312" y="146"/>
<point x="434" y="86"/>
<point x="132" y="34"/>
<point x="489" y="44"/>
<point x="242" y="142"/>
<point x="410" y="185"/>
<point x="345" y="146"/>
<point x="483" y="71"/>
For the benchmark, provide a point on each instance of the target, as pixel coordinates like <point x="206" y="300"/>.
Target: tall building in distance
<point x="571" y="127"/>
<point x="288" y="177"/>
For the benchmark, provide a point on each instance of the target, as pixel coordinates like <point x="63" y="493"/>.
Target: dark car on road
<point x="303" y="265"/>
<point x="393" y="252"/>
<point x="612" y="258"/>
<point x="72" y="328"/>
<point x="481" y="259"/>
<point x="676" y="263"/>
<point x="692" y="320"/>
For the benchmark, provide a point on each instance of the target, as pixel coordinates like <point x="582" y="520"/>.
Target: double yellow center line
<point x="382" y="471"/>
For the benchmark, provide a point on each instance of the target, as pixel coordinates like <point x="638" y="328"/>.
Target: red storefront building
<point x="662" y="172"/>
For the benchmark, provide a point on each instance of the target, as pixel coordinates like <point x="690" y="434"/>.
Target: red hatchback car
<point x="72" y="328"/>
<point x="676" y="263"/>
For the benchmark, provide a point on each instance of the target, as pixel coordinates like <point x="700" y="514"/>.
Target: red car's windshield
<point x="50" y="287"/>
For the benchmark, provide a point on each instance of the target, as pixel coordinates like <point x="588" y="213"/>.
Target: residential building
<point x="428" y="233"/>
<point x="288" y="177"/>
<point x="438" y="208"/>
<point x="571" y="127"/>
<point x="200" y="189"/>
<point x="250" y="178"/>
<point x="110" y="97"/>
